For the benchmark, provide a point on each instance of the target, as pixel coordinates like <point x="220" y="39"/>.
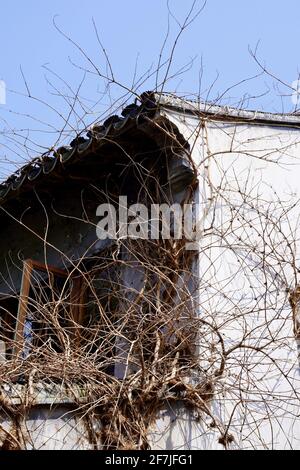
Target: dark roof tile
<point x="80" y="145"/>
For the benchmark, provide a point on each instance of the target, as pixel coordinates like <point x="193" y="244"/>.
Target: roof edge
<point x="219" y="112"/>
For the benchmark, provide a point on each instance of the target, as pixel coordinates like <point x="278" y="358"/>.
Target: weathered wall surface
<point x="45" y="428"/>
<point x="258" y="396"/>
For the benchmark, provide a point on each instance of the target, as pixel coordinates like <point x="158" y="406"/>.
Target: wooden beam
<point x="22" y="309"/>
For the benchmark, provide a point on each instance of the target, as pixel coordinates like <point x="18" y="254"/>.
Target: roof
<point x="98" y="135"/>
<point x="133" y="115"/>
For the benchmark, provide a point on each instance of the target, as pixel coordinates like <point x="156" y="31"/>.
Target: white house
<point x="238" y="385"/>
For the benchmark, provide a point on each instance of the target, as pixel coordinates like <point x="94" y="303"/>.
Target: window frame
<point x="29" y="266"/>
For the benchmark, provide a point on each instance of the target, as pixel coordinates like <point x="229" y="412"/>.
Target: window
<point x="57" y="310"/>
<point x="47" y="306"/>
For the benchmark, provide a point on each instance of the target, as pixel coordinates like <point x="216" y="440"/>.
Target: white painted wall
<point x="46" y="427"/>
<point x="258" y="396"/>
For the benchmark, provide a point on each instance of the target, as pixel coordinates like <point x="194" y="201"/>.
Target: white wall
<point x="257" y="399"/>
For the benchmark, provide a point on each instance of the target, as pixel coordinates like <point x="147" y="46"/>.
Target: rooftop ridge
<point x="199" y="107"/>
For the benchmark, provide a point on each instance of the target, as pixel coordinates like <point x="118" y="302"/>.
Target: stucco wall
<point x="264" y="415"/>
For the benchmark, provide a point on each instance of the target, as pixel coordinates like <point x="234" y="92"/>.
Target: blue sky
<point x="132" y="33"/>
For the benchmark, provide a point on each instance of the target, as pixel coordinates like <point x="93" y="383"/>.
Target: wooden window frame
<point x="29" y="266"/>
